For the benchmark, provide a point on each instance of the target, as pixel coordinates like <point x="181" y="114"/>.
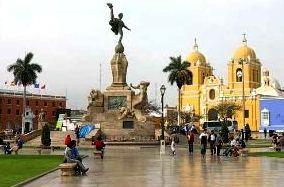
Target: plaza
<point x="144" y="166"/>
<point x="114" y="58"/>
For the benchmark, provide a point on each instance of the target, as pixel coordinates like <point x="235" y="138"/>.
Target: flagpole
<point x="66" y="96"/>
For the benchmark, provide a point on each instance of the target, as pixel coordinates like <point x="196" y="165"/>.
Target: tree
<point x="151" y="106"/>
<point x="226" y="110"/>
<point x="25" y="73"/>
<point x="179" y="74"/>
<point x="45" y="135"/>
<point x="186" y="117"/>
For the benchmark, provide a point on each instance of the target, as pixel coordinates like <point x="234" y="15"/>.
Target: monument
<point x="41" y="119"/>
<point x="118" y="110"/>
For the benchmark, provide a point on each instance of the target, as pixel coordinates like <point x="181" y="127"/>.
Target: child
<point x="173" y="147"/>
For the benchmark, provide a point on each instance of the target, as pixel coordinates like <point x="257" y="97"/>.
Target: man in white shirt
<point x="203" y="142"/>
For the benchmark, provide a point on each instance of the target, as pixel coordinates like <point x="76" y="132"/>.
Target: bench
<point x="52" y="148"/>
<point x="68" y="169"/>
<point x="98" y="154"/>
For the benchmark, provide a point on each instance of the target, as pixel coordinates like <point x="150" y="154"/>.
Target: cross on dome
<point x="195" y="47"/>
<point x="244" y="39"/>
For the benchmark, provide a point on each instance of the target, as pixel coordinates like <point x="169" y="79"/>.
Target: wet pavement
<point x="135" y="166"/>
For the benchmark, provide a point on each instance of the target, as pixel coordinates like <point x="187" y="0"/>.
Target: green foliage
<point x="151" y="106"/>
<point x="225" y="133"/>
<point x="24" y="72"/>
<point x="186" y="117"/>
<point x="45" y="136"/>
<point x="226" y="110"/>
<point x="178" y="72"/>
<point x="17" y="168"/>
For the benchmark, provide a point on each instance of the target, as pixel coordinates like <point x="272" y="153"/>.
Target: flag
<point x="36" y="85"/>
<point x="43" y="87"/>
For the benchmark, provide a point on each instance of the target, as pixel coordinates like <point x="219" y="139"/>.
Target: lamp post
<point x="162" y="90"/>
<point x="162" y="138"/>
<point x="240" y="74"/>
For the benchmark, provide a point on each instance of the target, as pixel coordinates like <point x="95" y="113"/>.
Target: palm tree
<point x="25" y="73"/>
<point x="179" y="74"/>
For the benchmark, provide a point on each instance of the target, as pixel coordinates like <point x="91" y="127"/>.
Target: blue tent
<point x="85" y="130"/>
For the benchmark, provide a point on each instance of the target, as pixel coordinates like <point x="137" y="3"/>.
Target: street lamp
<point x="162" y="138"/>
<point x="240" y="74"/>
<point x="162" y="90"/>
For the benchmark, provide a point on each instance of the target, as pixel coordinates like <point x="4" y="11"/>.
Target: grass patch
<point x="17" y="168"/>
<point x="268" y="154"/>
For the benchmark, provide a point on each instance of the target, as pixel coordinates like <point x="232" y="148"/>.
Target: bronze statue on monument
<point x="117" y="26"/>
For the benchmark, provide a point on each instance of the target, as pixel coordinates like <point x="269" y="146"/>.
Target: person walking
<point x="173" y="147"/>
<point x="211" y="141"/>
<point x="77" y="133"/>
<point x="203" y="142"/>
<point x="190" y="138"/>
<point x="218" y="144"/>
<point x="265" y="132"/>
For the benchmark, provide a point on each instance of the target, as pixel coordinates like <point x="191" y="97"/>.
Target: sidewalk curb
<point x="27" y="181"/>
<point x="34" y="178"/>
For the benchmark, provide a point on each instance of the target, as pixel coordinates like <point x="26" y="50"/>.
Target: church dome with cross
<point x="244" y="52"/>
<point x="196" y="56"/>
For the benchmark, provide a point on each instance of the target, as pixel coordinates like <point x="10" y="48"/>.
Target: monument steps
<point x="57" y="138"/>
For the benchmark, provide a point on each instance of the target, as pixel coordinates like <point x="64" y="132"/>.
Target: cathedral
<point x="245" y="86"/>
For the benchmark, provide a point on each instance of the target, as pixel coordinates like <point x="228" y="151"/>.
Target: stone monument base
<point x="41" y="124"/>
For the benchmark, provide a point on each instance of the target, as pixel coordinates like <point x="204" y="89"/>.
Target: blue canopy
<point x="85" y="130"/>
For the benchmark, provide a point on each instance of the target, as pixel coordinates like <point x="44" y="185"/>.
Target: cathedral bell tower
<point x="245" y="68"/>
<point x="190" y="98"/>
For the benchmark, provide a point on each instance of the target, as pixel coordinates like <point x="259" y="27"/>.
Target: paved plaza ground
<point x="136" y="166"/>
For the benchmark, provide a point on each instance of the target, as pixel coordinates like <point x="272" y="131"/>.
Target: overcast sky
<point x="70" y="38"/>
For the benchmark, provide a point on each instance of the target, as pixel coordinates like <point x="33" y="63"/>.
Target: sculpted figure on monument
<point x="141" y="98"/>
<point x="116" y="23"/>
<point x="96" y="98"/>
<point x="126" y="112"/>
<point x="41" y="116"/>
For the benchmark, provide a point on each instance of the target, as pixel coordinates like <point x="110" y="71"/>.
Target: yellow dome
<point x="196" y="56"/>
<point x="244" y="52"/>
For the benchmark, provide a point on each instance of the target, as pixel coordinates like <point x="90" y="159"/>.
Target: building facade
<point x="11" y="108"/>
<point x="243" y="87"/>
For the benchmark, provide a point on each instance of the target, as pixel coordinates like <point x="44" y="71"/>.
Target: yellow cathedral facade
<point x="207" y="90"/>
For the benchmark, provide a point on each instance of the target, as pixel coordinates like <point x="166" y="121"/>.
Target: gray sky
<point x="70" y="38"/>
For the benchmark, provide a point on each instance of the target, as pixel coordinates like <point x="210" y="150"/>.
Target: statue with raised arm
<point x="117" y="24"/>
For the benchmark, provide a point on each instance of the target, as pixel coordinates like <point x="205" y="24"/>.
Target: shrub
<point x="45" y="136"/>
<point x="225" y="133"/>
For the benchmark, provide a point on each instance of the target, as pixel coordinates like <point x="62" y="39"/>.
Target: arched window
<point x="212" y="114"/>
<point x="190" y="78"/>
<point x="212" y="94"/>
<point x="239" y="75"/>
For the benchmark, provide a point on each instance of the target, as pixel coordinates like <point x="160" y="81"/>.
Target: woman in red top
<point x="100" y="146"/>
<point x="67" y="140"/>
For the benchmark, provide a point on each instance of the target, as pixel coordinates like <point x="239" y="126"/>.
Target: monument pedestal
<point x="118" y="109"/>
<point x="41" y="124"/>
